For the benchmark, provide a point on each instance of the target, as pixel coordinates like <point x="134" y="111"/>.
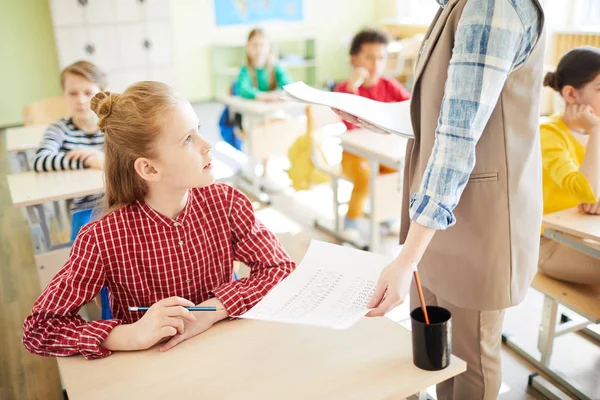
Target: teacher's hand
<point x="359" y="122"/>
<point x="392" y="288"/>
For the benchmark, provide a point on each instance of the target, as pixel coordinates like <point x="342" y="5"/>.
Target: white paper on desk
<point x="330" y="287"/>
<point x="391" y="117"/>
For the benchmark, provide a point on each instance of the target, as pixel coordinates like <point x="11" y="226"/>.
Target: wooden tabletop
<point x="583" y="299"/>
<point x="24" y="138"/>
<point x="574" y="223"/>
<point x="249" y="360"/>
<point x="388" y="149"/>
<point x="32" y="188"/>
<point x="259" y="108"/>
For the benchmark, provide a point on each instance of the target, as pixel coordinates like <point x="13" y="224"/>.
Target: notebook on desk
<point x="391" y="117"/>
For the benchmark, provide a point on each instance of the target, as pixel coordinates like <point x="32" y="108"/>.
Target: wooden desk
<point x="32" y="190"/>
<point x="574" y="223"/>
<point x="581" y="232"/>
<point x="258" y="108"/>
<point x="259" y="360"/>
<point x="379" y="149"/>
<point x="255" y="120"/>
<point x="388" y="150"/>
<point x="22" y="139"/>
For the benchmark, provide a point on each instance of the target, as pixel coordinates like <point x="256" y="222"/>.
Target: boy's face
<point x="373" y="58"/>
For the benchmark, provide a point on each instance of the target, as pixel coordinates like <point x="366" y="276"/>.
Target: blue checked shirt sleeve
<point x="490" y="42"/>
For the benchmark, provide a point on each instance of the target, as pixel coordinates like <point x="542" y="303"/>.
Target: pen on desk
<point x="187" y="308"/>
<point x="420" y="290"/>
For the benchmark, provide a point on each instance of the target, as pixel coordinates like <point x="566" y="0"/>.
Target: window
<point x="587" y="14"/>
<point x="418" y="12"/>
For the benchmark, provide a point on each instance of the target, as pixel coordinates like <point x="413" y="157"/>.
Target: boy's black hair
<point x="368" y="35"/>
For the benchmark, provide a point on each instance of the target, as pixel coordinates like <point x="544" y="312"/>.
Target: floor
<point x="24" y="376"/>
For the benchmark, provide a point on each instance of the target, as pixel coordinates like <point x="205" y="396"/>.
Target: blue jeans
<point x="78" y="220"/>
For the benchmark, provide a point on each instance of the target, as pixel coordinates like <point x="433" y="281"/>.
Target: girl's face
<point x="588" y="95"/>
<point x="182" y="155"/>
<point x="78" y="93"/>
<point x="258" y="50"/>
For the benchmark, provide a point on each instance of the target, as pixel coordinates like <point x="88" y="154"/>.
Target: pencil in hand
<point x="187" y="308"/>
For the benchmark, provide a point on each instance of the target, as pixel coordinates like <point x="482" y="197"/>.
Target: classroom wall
<point x="29" y="63"/>
<point x="29" y="67"/>
<point x="331" y="22"/>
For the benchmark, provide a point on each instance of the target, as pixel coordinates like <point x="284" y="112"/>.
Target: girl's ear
<point x="569" y="93"/>
<point x="146" y="170"/>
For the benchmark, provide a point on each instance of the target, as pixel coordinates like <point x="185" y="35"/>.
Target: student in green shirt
<point x="260" y="77"/>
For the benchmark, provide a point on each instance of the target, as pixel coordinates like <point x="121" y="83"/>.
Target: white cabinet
<point x="155" y="10"/>
<point x="128" y="11"/>
<point x="158" y="36"/>
<point x="67" y="12"/>
<point x="99" y="11"/>
<point x="130" y="40"/>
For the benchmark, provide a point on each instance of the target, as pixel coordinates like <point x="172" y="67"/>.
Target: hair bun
<point x="102" y="104"/>
<point x="552" y="80"/>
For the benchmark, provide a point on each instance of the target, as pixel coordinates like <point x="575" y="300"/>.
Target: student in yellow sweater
<point x="571" y="159"/>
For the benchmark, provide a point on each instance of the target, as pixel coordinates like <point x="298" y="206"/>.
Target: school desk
<point x="581" y="232"/>
<point x="22" y="139"/>
<point x="32" y="190"/>
<point x="259" y="139"/>
<point x="243" y="359"/>
<point x="385" y="191"/>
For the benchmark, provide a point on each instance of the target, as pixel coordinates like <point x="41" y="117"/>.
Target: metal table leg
<point x="374" y="226"/>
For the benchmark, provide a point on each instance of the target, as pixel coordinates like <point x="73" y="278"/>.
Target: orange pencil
<point x="420" y="289"/>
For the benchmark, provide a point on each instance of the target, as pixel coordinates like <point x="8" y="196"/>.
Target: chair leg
<point x="547" y="329"/>
<point x="336" y="205"/>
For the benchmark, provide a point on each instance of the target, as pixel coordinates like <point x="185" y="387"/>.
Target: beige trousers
<point x="477" y="339"/>
<point x="566" y="264"/>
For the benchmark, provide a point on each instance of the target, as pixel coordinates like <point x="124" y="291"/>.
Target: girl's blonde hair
<point x="131" y="123"/>
<point x="270" y="67"/>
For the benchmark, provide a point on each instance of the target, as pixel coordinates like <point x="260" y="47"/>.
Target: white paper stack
<point x="331" y="287"/>
<point x="391" y="117"/>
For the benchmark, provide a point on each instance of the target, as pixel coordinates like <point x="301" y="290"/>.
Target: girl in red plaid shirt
<point x="168" y="240"/>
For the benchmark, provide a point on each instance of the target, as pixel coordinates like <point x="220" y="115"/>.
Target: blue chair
<point x="78" y="220"/>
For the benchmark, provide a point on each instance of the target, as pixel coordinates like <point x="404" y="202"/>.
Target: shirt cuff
<point x="232" y="300"/>
<point x="430" y="213"/>
<point x="92" y="335"/>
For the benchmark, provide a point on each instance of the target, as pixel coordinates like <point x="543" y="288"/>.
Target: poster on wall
<point x="238" y="12"/>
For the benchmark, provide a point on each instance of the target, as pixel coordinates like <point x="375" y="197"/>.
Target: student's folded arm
<point x="54" y="328"/>
<point x="486" y="49"/>
<point x="244" y="86"/>
<point x="49" y="157"/>
<point x="564" y="171"/>
<point x="282" y="77"/>
<point x="258" y="248"/>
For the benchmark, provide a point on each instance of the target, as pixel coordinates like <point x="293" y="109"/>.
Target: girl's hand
<point x="269" y="97"/>
<point x="592" y="209"/>
<point x="204" y="321"/>
<point x="581" y="117"/>
<point x="163" y="319"/>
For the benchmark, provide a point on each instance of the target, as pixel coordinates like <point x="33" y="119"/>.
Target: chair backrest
<point x="45" y="111"/>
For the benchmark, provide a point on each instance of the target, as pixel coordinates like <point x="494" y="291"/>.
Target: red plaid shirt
<point x="143" y="257"/>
